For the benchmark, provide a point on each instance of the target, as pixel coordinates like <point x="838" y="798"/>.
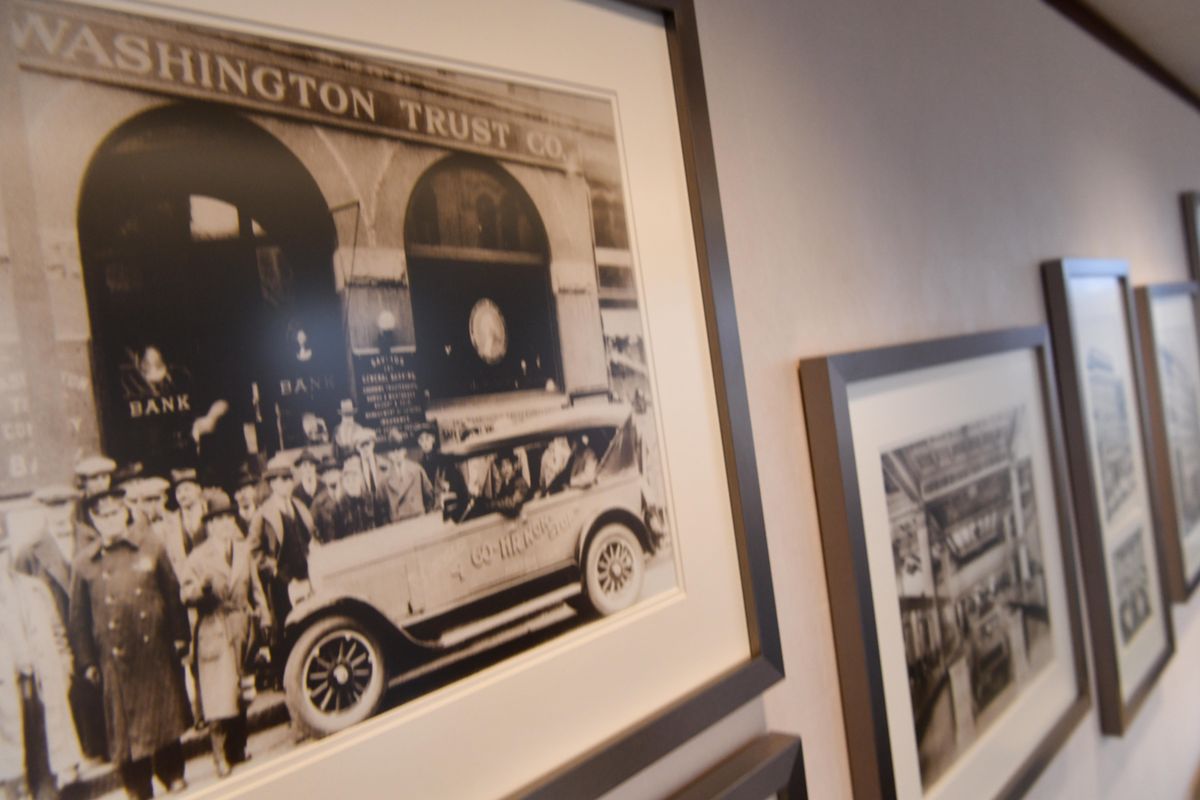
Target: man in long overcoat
<point x="129" y="632"/>
<point x="280" y="536"/>
<point x="219" y="580"/>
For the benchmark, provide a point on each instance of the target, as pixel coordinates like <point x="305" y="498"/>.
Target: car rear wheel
<point x="335" y="676"/>
<point x="613" y="569"/>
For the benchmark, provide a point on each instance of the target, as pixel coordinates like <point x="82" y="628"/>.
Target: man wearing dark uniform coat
<point x="129" y="631"/>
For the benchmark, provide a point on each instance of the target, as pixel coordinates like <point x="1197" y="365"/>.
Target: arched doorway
<point x="479" y="271"/>
<point x="207" y="252"/>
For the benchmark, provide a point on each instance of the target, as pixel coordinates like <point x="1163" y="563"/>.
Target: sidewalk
<point x="267" y="710"/>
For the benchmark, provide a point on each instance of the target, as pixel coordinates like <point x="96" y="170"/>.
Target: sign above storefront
<point x="163" y="58"/>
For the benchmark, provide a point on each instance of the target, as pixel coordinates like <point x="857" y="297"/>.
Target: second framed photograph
<point x="1096" y="348"/>
<point x="1167" y="316"/>
<point x="948" y="536"/>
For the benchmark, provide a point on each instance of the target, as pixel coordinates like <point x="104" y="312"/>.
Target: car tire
<point x="614" y="568"/>
<point x="335" y="676"/>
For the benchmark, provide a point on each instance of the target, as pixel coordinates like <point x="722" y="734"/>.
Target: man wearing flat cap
<point x="129" y="632"/>
<point x="93" y="474"/>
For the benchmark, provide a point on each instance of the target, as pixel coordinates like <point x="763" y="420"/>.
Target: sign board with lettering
<point x="388" y="394"/>
<point x="299" y="82"/>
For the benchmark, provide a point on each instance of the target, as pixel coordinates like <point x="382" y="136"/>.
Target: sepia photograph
<point x="968" y="558"/>
<point x="337" y="393"/>
<point x="1110" y="423"/>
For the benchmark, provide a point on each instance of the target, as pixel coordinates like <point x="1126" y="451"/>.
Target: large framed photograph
<point x="1096" y="347"/>
<point x="1171" y="354"/>
<point x="947" y="529"/>
<point x="371" y="398"/>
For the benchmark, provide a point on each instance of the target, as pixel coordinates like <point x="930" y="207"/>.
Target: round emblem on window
<point x="488" y="333"/>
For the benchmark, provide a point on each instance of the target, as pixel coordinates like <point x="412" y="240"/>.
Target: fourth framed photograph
<point x="377" y="396"/>
<point x="948" y="537"/>
<point x="1171" y="355"/>
<point x="1096" y="348"/>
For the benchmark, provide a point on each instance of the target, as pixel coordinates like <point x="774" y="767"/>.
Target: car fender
<point x="620" y="514"/>
<point x="318" y="605"/>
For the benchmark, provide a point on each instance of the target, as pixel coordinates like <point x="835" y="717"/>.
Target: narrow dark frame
<point x="1180" y="585"/>
<point x="825" y="384"/>
<point x="662" y="730"/>
<point x="1190" y="205"/>
<point x="1116" y="715"/>
<point x="772" y="764"/>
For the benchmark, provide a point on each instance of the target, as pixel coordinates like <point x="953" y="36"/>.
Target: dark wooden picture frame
<point x="826" y="383"/>
<point x="1178" y="582"/>
<point x="1190" y="206"/>
<point x="1116" y="714"/>
<point x="611" y="762"/>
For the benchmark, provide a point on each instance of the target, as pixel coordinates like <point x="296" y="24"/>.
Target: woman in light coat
<point x="220" y="581"/>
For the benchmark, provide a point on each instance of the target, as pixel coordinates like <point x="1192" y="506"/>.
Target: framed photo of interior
<point x="1096" y="346"/>
<point x="949" y="552"/>
<point x="1190" y="204"/>
<point x="1171" y="355"/>
<point x="431" y="315"/>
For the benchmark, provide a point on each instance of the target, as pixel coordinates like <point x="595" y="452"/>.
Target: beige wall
<point x="896" y="171"/>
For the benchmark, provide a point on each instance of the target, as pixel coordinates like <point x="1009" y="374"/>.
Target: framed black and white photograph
<point x="948" y="537"/>
<point x="371" y="398"/>
<point x="1171" y="355"/>
<point x="1096" y="347"/>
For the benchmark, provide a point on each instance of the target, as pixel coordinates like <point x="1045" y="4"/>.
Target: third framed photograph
<point x="1096" y="348"/>
<point x="1167" y="318"/>
<point x="947" y="528"/>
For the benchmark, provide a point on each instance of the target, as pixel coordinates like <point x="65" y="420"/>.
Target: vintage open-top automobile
<point x="401" y="600"/>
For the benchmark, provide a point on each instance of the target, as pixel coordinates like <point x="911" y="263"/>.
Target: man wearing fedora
<point x="220" y="582"/>
<point x="409" y="490"/>
<point x="307" y="482"/>
<point x="129" y="632"/>
<point x="279" y="538"/>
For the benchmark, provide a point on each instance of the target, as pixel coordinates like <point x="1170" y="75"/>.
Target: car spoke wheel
<point x="334" y="676"/>
<point x="613" y="569"/>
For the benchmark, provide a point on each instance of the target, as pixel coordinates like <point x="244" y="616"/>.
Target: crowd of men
<point x="145" y="605"/>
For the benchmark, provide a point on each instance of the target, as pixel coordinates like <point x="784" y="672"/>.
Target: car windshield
<point x="505" y="478"/>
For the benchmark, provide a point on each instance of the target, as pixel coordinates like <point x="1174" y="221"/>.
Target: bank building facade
<point x="219" y="248"/>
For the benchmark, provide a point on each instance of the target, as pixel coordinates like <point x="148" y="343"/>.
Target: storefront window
<point x="479" y="270"/>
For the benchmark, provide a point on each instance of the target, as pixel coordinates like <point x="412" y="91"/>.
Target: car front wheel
<point x="613" y="569"/>
<point x="334" y="676"/>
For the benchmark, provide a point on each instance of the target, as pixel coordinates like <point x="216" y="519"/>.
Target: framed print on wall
<point x="439" y="313"/>
<point x="1096" y="347"/>
<point x="948" y="538"/>
<point x="1171" y="355"/>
